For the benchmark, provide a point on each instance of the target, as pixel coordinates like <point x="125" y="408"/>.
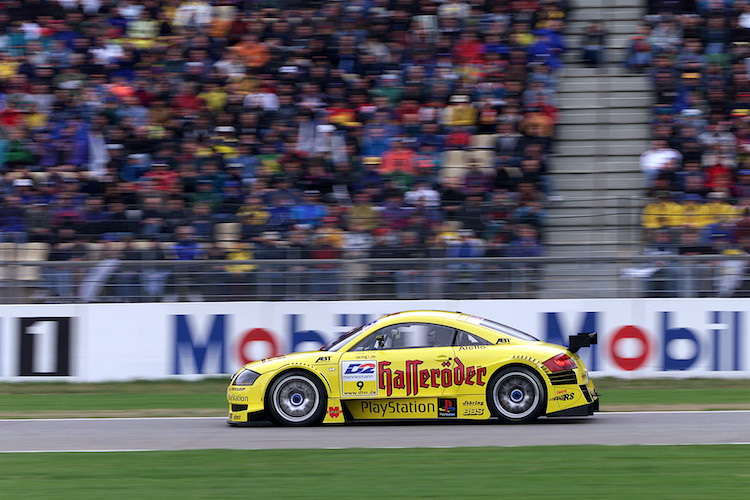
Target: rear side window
<point x="470" y="339"/>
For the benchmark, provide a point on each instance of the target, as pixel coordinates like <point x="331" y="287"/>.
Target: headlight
<point x="245" y="377"/>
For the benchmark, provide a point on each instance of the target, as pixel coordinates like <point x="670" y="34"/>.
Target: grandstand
<point x="138" y="139"/>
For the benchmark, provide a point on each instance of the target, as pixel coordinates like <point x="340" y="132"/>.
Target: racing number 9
<point x="360" y="385"/>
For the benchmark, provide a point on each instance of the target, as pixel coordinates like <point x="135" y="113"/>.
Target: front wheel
<point x="516" y="395"/>
<point x="296" y="398"/>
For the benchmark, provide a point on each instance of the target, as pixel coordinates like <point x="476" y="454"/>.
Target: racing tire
<point x="296" y="398"/>
<point x="516" y="395"/>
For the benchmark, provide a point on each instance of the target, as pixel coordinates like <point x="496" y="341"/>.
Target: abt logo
<point x="44" y="347"/>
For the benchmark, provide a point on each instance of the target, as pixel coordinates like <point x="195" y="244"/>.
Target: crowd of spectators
<point x="316" y="129"/>
<point x="697" y="168"/>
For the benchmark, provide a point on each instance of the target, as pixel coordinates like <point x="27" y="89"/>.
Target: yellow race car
<point x="418" y="365"/>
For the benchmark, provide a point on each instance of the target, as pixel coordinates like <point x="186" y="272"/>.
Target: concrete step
<point x="616" y="41"/>
<point x="586" y="148"/>
<point x="595" y="182"/>
<point x="592" y="166"/>
<point x="605" y="83"/>
<point x="607" y="164"/>
<point x="614" y="71"/>
<point x="605" y="116"/>
<point x="588" y="237"/>
<point x="626" y="204"/>
<point x="600" y="13"/>
<point x="602" y="131"/>
<point x="583" y="100"/>
<point x="582" y="5"/>
<point x="593" y="215"/>
<point x="611" y="220"/>
<point x="576" y="28"/>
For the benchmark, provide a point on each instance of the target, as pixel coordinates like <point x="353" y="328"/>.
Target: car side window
<point x="469" y="339"/>
<point x="407" y="336"/>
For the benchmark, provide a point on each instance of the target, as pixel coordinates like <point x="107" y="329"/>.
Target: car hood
<point x="295" y="358"/>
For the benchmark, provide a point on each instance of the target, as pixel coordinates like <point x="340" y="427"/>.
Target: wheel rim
<point x="296" y="398"/>
<point x="517" y="395"/>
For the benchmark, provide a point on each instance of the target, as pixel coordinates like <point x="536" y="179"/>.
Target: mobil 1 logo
<point x="44" y="347"/>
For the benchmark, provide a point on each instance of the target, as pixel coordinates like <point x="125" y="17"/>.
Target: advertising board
<point x="107" y="342"/>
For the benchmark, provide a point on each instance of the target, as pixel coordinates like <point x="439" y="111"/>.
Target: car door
<point x="398" y="361"/>
<point x="472" y="354"/>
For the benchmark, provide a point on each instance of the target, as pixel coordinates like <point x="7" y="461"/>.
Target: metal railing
<point x="113" y="280"/>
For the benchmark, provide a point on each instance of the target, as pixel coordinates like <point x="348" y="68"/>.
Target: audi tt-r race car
<point x="418" y="365"/>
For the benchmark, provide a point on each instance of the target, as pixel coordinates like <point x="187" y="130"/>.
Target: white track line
<point x="74" y="419"/>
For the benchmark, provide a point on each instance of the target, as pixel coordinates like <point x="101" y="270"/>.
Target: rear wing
<point x="581" y="340"/>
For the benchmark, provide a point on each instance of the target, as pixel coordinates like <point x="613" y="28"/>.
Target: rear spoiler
<point x="581" y="340"/>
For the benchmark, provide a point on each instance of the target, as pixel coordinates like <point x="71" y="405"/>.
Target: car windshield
<point x="498" y="327"/>
<point x="335" y="344"/>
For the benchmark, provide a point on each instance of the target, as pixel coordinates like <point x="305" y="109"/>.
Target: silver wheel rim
<point x="296" y="398"/>
<point x="517" y="395"/>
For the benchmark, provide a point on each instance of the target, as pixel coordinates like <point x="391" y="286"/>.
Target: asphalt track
<point x="189" y="433"/>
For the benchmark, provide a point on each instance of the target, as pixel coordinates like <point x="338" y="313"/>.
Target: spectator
<point x="156" y="107"/>
<point x="694" y="277"/>
<point x="594" y="44"/>
<point x="661" y="279"/>
<point x="659" y="160"/>
<point x="465" y="278"/>
<point x="526" y="275"/>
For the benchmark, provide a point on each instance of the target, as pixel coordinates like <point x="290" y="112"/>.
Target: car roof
<point x="420" y="314"/>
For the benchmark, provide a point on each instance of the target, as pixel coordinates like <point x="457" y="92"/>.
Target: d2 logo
<point x="360" y="369"/>
<point x="44" y="347"/>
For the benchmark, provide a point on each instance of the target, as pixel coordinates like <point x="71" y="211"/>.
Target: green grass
<point x="33" y="399"/>
<point x="698" y="393"/>
<point x="207" y="397"/>
<point x="627" y="472"/>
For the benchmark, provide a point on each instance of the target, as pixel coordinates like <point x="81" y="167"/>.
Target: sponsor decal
<point x="562" y="391"/>
<point x="359" y="378"/>
<point x="235" y="416"/>
<point x="471" y="347"/>
<point x="323" y="359"/>
<point x="334" y="411"/>
<point x="473" y="412"/>
<point x="564" y="397"/>
<point x="412" y="378"/>
<point x="358" y="370"/>
<point x="237" y="398"/>
<point x="397" y="408"/>
<point x="447" y="408"/>
<point x="503" y="341"/>
<point x="473" y="403"/>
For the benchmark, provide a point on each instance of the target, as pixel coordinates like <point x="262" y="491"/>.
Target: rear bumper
<point x="578" y="411"/>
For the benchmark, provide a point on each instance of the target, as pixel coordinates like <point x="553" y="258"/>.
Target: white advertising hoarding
<point x="107" y="342"/>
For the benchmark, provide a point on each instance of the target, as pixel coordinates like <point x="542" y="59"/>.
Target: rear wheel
<point x="296" y="398"/>
<point x="516" y="395"/>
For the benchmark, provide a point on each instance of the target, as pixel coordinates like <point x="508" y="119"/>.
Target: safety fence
<point x="115" y="280"/>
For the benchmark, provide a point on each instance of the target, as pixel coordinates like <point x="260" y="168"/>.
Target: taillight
<point x="559" y="363"/>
